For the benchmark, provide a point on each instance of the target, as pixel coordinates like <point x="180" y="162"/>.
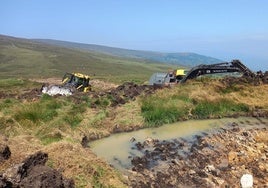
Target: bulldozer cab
<point x="77" y="80"/>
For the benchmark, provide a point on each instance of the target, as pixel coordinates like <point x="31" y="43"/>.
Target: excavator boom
<point x="225" y="67"/>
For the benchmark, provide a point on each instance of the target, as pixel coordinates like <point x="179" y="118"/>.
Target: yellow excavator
<point x="169" y="78"/>
<point x="71" y="82"/>
<point x="181" y="76"/>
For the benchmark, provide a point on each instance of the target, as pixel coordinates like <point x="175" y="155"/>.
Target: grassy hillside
<point x="185" y="59"/>
<point x="22" y="58"/>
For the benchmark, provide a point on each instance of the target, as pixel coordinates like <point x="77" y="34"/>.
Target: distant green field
<point x="21" y="58"/>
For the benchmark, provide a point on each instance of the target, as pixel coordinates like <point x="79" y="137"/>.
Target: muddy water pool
<point x="119" y="149"/>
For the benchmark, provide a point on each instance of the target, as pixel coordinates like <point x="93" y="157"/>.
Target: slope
<point x="185" y="59"/>
<point x="31" y="59"/>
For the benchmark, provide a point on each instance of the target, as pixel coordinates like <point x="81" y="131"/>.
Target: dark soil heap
<point x="4" y="152"/>
<point x="124" y="93"/>
<point x="32" y="172"/>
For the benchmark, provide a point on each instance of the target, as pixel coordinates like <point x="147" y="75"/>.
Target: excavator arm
<point x="226" y="67"/>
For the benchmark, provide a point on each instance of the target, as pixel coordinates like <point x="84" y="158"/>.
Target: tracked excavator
<point x="181" y="76"/>
<point x="71" y="82"/>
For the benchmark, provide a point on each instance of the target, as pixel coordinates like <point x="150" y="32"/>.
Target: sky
<point x="227" y="30"/>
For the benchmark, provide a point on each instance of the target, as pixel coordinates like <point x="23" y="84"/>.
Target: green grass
<point x="168" y="108"/>
<point x="8" y="126"/>
<point x="96" y="121"/>
<point x="6" y="103"/>
<point x="15" y="85"/>
<point x="157" y="111"/>
<point x="48" y="139"/>
<point x="28" y="59"/>
<point x="207" y="109"/>
<point x="81" y="181"/>
<point x="99" y="177"/>
<point x="75" y="115"/>
<point x="42" y="111"/>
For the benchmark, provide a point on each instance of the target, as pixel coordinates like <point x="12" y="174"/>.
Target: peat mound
<point x="32" y="172"/>
<point x="123" y="93"/>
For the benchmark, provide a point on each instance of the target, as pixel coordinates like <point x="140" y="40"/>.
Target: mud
<point x="32" y="172"/>
<point x="120" y="95"/>
<point x="4" y="152"/>
<point x="260" y="78"/>
<point x="217" y="160"/>
<point x="125" y="92"/>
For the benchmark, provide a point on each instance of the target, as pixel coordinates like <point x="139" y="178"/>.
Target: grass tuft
<point x="207" y="109"/>
<point x="48" y="139"/>
<point x="157" y="111"/>
<point x="41" y="111"/>
<point x="74" y="116"/>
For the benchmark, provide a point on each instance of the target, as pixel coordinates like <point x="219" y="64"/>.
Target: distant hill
<point x="183" y="59"/>
<point x="24" y="58"/>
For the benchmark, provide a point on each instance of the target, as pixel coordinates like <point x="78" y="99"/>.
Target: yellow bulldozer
<point x="71" y="82"/>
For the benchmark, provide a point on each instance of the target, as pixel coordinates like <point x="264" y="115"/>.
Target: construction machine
<point x="171" y="77"/>
<point x="181" y="76"/>
<point x="71" y="82"/>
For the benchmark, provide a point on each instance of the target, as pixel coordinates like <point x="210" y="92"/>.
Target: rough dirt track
<point x="217" y="160"/>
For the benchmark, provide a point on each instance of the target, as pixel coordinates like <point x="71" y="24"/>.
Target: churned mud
<point x="217" y="160"/>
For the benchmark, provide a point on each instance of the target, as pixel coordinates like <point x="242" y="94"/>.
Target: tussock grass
<point x="5" y="105"/>
<point x="74" y="116"/>
<point x="36" y="112"/>
<point x="208" y="109"/>
<point x="50" y="138"/>
<point x="199" y="99"/>
<point x="89" y="170"/>
<point x="128" y="115"/>
<point x="161" y="109"/>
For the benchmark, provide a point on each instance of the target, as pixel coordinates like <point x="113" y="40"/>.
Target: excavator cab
<point x="172" y="77"/>
<point x="180" y="73"/>
<point x="77" y="80"/>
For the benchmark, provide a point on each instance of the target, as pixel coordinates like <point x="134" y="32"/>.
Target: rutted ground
<point x="217" y="160"/>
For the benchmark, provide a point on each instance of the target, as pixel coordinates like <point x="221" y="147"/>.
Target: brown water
<point x="117" y="149"/>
